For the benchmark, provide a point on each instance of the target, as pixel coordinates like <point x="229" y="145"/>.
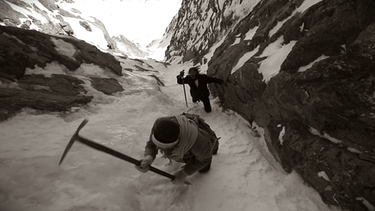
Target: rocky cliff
<point x="302" y="70"/>
<point x="23" y="52"/>
<point x="200" y="24"/>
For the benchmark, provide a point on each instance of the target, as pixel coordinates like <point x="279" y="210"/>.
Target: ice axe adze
<point x="107" y="150"/>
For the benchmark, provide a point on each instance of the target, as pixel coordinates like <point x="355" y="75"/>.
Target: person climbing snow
<point x="198" y="86"/>
<point x="184" y="138"/>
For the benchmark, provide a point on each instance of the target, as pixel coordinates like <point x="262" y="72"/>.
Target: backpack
<point x="205" y="129"/>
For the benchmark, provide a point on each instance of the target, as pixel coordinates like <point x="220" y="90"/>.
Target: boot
<point x="205" y="169"/>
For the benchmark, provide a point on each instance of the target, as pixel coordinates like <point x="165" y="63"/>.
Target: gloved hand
<point x="145" y="164"/>
<point x="180" y="177"/>
<point x="182" y="73"/>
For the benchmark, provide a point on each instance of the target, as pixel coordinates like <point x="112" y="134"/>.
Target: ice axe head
<point x="74" y="137"/>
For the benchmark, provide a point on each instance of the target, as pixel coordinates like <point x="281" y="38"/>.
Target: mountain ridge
<point x="47" y="16"/>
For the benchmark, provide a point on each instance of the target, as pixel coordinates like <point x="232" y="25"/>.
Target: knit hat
<point x="166" y="130"/>
<point x="194" y="69"/>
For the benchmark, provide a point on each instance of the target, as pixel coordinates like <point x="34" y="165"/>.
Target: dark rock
<point x="67" y="28"/>
<point x="108" y="86"/>
<point x="26" y="24"/>
<point x="9" y="16"/>
<point x="48" y="94"/>
<point x="49" y="4"/>
<point x="139" y="68"/>
<point x="21" y="49"/>
<point x="160" y="82"/>
<point x="191" y="14"/>
<point x="35" y="48"/>
<point x="85" y="25"/>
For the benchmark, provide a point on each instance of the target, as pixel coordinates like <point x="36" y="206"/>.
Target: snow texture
<point x="244" y="174"/>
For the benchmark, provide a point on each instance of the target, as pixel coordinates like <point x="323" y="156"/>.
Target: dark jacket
<point x="200" y="92"/>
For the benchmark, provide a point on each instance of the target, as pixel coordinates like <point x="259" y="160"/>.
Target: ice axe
<point x="107" y="150"/>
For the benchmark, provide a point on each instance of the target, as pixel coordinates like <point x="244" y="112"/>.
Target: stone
<point x="85" y="25"/>
<point x="106" y="85"/>
<point x="58" y="93"/>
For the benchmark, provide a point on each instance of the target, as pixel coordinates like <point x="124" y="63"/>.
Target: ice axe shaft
<point x="114" y="153"/>
<point x="107" y="150"/>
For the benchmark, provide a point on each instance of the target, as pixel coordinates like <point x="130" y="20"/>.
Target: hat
<point x="166" y="130"/>
<point x="194" y="69"/>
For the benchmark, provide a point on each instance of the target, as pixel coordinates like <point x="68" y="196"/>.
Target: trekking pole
<point x="107" y="150"/>
<point x="183" y="85"/>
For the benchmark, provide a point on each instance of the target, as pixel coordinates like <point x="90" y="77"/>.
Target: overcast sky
<point x="138" y="20"/>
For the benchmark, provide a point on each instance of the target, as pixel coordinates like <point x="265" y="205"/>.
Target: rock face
<point x="35" y="48"/>
<point x="56" y="93"/>
<point x="199" y="24"/>
<point x="22" y="49"/>
<point x="8" y="15"/>
<point x="302" y="70"/>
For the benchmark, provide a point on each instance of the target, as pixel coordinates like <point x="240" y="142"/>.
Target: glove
<point x="180" y="177"/>
<point x="145" y="164"/>
<point x="182" y="73"/>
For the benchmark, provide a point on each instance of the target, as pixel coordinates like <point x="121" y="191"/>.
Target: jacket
<point x="201" y="91"/>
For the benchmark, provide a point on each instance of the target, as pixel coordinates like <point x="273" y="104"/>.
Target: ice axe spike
<point x="74" y="137"/>
<point x="107" y="150"/>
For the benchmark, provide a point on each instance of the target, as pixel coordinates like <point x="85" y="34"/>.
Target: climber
<point x="184" y="138"/>
<point x="198" y="86"/>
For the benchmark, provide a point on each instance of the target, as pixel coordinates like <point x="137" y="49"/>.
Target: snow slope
<point x="244" y="176"/>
